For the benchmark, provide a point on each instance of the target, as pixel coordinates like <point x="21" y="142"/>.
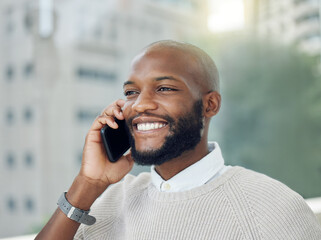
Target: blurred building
<point x="61" y="63"/>
<point x="288" y="21"/>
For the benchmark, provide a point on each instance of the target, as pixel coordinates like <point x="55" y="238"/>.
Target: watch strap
<point x="76" y="214"/>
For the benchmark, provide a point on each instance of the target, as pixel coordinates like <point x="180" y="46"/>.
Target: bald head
<point x="206" y="70"/>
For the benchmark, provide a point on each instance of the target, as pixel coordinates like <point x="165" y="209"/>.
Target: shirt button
<point x="166" y="186"/>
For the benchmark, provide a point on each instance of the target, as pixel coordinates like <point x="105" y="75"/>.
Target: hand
<point x="95" y="175"/>
<point x="95" y="164"/>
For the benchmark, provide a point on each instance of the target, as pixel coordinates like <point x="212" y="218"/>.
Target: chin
<point x="147" y="146"/>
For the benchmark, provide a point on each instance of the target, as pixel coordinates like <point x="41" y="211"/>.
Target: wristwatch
<point x="76" y="214"/>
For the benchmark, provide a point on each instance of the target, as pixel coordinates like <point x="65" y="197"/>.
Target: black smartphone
<point x="115" y="141"/>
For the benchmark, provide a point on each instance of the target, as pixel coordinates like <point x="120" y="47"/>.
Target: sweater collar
<point x="195" y="175"/>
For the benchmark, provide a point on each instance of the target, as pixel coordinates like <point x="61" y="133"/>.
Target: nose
<point x="144" y="102"/>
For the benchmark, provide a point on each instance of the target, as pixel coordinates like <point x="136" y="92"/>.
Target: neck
<point x="170" y="168"/>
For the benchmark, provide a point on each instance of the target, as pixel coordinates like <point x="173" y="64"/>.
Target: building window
<point x="9" y="117"/>
<point x="9" y="73"/>
<point x="29" y="160"/>
<point x="79" y="158"/>
<point x="86" y="115"/>
<point x="28" y="21"/>
<point x="9" y="27"/>
<point x="10" y="161"/>
<point x="8" y="17"/>
<point x="28" y="69"/>
<point x="310" y="36"/>
<point x="302" y="1"/>
<point x="9" y="24"/>
<point x="112" y="29"/>
<point x="28" y="114"/>
<point x="11" y="204"/>
<point x="112" y="33"/>
<point x="98" y="32"/>
<point x="29" y="205"/>
<point x="308" y="17"/>
<point x="95" y="74"/>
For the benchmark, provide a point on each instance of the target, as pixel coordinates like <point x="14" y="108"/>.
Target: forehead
<point x="160" y="61"/>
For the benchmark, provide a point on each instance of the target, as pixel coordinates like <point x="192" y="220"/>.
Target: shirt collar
<point x="195" y="175"/>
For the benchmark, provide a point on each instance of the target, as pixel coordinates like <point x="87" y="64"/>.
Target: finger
<point x="111" y="109"/>
<point x="120" y="103"/>
<point x="115" y="105"/>
<point x="101" y="121"/>
<point x="118" y="114"/>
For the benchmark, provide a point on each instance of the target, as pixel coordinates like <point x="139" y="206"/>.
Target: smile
<point x="150" y="126"/>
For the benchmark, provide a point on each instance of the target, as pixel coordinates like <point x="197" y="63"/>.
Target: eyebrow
<point x="166" y="78"/>
<point x="155" y="79"/>
<point x="128" y="83"/>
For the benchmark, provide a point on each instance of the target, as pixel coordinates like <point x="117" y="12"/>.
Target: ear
<point x="212" y="104"/>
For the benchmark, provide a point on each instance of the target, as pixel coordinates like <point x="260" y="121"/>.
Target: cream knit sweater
<point x="240" y="204"/>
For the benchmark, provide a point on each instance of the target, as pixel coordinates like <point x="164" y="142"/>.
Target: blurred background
<point x="63" y="61"/>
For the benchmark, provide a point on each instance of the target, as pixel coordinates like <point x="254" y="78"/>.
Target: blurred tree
<point x="271" y="110"/>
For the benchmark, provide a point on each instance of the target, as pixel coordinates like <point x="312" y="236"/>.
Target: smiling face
<point x="163" y="105"/>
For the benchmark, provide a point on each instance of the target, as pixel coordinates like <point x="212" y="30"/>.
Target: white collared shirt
<point x="203" y="171"/>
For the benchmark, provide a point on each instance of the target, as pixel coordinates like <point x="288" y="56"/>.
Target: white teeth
<point x="149" y="126"/>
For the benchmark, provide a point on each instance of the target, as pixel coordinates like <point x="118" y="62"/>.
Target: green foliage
<point x="271" y="111"/>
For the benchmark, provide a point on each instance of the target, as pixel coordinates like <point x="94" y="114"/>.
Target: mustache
<point x="167" y="118"/>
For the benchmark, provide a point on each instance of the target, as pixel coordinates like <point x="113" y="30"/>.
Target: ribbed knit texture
<point x="241" y="204"/>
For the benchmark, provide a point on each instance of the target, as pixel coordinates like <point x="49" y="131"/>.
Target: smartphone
<point x="115" y="141"/>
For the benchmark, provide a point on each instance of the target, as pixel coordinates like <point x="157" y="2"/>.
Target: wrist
<point x="84" y="191"/>
<point x="76" y="214"/>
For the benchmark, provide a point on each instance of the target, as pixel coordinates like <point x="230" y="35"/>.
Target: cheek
<point x="177" y="108"/>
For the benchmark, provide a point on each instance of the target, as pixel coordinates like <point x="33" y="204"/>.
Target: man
<point x="171" y="94"/>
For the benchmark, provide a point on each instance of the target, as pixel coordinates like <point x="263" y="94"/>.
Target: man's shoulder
<point x="260" y="186"/>
<point x="271" y="205"/>
<point x="255" y="182"/>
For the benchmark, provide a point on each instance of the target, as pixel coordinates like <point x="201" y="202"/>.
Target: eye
<point x="165" y="89"/>
<point x="130" y="93"/>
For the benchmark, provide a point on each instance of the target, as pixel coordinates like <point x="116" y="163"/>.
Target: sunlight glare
<point x="227" y="15"/>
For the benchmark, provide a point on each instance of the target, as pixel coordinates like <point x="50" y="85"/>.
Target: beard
<point x="185" y="134"/>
